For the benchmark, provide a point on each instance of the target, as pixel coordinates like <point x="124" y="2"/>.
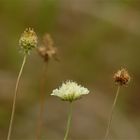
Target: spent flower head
<point x="122" y="77"/>
<point x="70" y="91"/>
<point x="28" y="40"/>
<point x="47" y="50"/>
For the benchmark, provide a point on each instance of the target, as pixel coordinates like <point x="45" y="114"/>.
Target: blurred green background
<point x="95" y="38"/>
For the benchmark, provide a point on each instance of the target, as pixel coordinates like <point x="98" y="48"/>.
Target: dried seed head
<point x="28" y="40"/>
<point x="122" y="77"/>
<point x="47" y="50"/>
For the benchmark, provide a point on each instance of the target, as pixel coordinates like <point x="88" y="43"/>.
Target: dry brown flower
<point x="47" y="50"/>
<point x="122" y="77"/>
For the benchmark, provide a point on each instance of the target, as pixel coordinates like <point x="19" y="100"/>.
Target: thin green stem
<point x="42" y="102"/>
<point x="68" y="122"/>
<point x="111" y="114"/>
<point x="15" y="96"/>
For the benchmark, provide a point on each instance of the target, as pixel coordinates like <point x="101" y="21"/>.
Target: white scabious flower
<point x="70" y="91"/>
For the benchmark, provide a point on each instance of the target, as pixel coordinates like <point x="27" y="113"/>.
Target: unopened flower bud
<point x="28" y="40"/>
<point x="122" y="77"/>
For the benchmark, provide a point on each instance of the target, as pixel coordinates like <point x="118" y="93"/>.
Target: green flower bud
<point x="28" y="40"/>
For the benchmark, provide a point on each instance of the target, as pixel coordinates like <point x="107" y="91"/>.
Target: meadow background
<point x="95" y="38"/>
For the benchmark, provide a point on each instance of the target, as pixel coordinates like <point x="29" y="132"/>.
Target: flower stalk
<point x="70" y="91"/>
<point x="68" y="122"/>
<point x="15" y="97"/>
<point x="42" y="102"/>
<point x="27" y="42"/>
<point x="111" y="114"/>
<point x="47" y="51"/>
<point x="121" y="78"/>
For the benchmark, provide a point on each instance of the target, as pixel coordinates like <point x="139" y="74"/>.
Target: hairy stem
<point x="68" y="122"/>
<point x="111" y="114"/>
<point x="15" y="96"/>
<point x="42" y="102"/>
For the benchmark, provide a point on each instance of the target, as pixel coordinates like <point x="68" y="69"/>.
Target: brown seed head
<point x="47" y="50"/>
<point x="122" y="77"/>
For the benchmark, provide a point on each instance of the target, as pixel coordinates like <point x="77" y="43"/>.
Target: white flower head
<point x="70" y="91"/>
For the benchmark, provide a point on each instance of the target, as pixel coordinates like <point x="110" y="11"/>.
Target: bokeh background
<point x="95" y="38"/>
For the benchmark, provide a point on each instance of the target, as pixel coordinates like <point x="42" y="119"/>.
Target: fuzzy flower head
<point x="70" y="91"/>
<point x="122" y="77"/>
<point x="28" y="40"/>
<point x="48" y="51"/>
